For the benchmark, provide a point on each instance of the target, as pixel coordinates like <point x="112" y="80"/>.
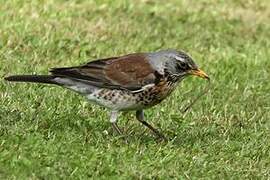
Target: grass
<point x="50" y="133"/>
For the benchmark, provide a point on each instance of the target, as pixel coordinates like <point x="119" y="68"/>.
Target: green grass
<point x="48" y="132"/>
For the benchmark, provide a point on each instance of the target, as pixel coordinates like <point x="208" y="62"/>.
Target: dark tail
<point x="48" y="79"/>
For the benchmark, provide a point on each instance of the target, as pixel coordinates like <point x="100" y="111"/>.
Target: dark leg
<point x="113" y="120"/>
<point x="116" y="128"/>
<point x="140" y="117"/>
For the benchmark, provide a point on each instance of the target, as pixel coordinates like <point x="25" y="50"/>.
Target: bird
<point x="132" y="82"/>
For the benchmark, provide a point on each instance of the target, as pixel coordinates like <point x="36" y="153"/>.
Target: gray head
<point x="175" y="63"/>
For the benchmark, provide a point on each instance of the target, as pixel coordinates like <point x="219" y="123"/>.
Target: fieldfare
<point x="130" y="82"/>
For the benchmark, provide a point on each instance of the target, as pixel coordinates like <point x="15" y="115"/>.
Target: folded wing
<point x="131" y="72"/>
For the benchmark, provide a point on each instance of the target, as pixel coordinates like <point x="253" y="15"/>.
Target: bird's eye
<point x="179" y="67"/>
<point x="182" y="66"/>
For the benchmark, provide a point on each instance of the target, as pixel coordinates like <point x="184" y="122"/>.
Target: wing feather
<point x="131" y="72"/>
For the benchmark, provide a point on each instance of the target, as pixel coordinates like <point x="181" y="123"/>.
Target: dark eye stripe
<point x="183" y="65"/>
<point x="180" y="67"/>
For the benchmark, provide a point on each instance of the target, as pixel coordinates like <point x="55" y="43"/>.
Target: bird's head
<point x="180" y="64"/>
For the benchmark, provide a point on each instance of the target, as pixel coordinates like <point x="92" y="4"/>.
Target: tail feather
<point x="48" y="79"/>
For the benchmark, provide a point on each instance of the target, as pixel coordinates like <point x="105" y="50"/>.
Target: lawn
<point x="47" y="132"/>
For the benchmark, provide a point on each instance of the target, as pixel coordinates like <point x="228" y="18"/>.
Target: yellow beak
<point x="199" y="73"/>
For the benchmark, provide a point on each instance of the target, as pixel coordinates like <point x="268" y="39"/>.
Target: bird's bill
<point x="200" y="73"/>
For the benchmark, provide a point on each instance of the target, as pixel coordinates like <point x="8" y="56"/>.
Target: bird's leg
<point x="140" y="117"/>
<point x="113" y="120"/>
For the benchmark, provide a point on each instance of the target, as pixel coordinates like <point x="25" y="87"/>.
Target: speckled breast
<point x="154" y="95"/>
<point x="127" y="100"/>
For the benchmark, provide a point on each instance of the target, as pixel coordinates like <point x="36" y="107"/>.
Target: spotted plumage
<point x="130" y="82"/>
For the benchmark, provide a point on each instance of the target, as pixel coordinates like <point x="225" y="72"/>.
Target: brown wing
<point x="130" y="72"/>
